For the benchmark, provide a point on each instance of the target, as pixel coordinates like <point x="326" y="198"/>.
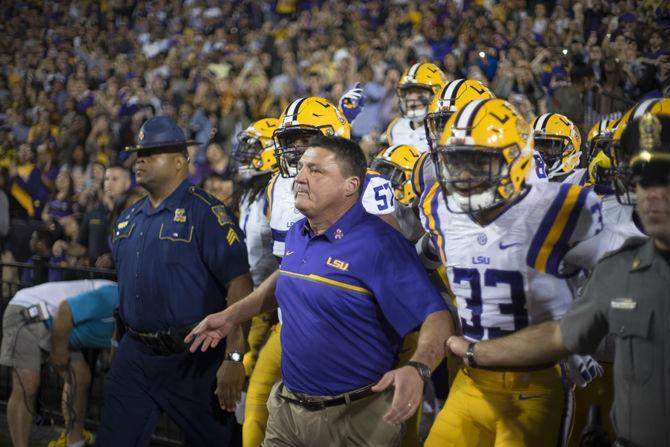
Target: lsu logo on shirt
<point x="336" y="263"/>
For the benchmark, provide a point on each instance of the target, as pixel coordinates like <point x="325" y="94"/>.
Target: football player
<point x="395" y="163"/>
<point x="256" y="162"/>
<point x="598" y="144"/>
<point x="507" y="249"/>
<point x="453" y="96"/>
<point x="559" y="142"/>
<point x="417" y="87"/>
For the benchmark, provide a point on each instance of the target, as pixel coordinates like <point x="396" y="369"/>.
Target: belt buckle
<point x="313" y="406"/>
<point x="153" y="342"/>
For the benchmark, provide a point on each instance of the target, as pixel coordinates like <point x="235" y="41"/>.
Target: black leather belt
<point x="319" y="403"/>
<point x="166" y="342"/>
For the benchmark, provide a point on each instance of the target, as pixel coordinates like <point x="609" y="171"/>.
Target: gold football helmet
<point x="600" y="137"/>
<point x="484" y="155"/>
<point x="453" y="97"/>
<point x="423" y="76"/>
<point x="396" y="163"/>
<point x="255" y="148"/>
<point x="600" y="170"/>
<point x="559" y="142"/>
<point x="302" y="119"/>
<point x="598" y="142"/>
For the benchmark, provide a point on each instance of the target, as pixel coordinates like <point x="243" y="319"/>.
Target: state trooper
<point x="179" y="257"/>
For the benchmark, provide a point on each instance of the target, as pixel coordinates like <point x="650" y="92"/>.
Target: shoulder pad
<point x="630" y="244"/>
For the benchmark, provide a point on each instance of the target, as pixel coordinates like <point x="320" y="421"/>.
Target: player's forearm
<point x="535" y="345"/>
<point x="435" y="331"/>
<point x="61" y="329"/>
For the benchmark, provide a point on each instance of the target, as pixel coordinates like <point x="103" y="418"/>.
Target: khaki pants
<point x="357" y="423"/>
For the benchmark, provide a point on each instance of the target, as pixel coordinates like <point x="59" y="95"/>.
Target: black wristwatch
<point x="423" y="369"/>
<point x="470" y="355"/>
<point x="234" y="356"/>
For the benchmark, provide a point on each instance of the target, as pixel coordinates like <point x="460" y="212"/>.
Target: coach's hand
<point x="407" y="395"/>
<point x="210" y="331"/>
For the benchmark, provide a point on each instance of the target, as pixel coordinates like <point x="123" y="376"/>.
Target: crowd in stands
<point x="78" y="78"/>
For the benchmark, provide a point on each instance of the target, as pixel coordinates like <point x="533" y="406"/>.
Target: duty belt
<point x="166" y="342"/>
<point x="319" y="403"/>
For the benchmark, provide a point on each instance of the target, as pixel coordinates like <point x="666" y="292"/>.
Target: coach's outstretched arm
<point x="215" y="327"/>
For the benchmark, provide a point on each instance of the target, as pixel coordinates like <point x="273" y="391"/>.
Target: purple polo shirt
<point x="348" y="297"/>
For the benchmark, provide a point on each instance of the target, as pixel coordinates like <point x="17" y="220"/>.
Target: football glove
<point x="352" y="102"/>
<point x="582" y="369"/>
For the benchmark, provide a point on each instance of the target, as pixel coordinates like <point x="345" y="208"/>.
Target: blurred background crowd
<point x="78" y="78"/>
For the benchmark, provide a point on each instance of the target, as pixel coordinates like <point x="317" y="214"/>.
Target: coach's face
<point x="319" y="185"/>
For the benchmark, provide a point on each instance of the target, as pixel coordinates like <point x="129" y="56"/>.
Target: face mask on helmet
<point x="247" y="156"/>
<point x="601" y="144"/>
<point x="600" y="170"/>
<point x="290" y="144"/>
<point x="248" y="147"/>
<point x="398" y="178"/>
<point x="553" y="151"/>
<point x="473" y="177"/>
<point x="621" y="175"/>
<point x="434" y="126"/>
<point x="414" y="102"/>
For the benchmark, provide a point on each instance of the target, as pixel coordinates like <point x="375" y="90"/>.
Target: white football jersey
<point x="400" y="131"/>
<point x="618" y="227"/>
<point x="258" y="237"/>
<point x="377" y="198"/>
<point x="577" y="177"/>
<point x="511" y="273"/>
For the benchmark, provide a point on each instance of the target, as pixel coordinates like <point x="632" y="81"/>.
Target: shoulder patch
<point x="231" y="237"/>
<point x="221" y="214"/>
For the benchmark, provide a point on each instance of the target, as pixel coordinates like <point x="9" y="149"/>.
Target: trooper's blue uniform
<point x="173" y="264"/>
